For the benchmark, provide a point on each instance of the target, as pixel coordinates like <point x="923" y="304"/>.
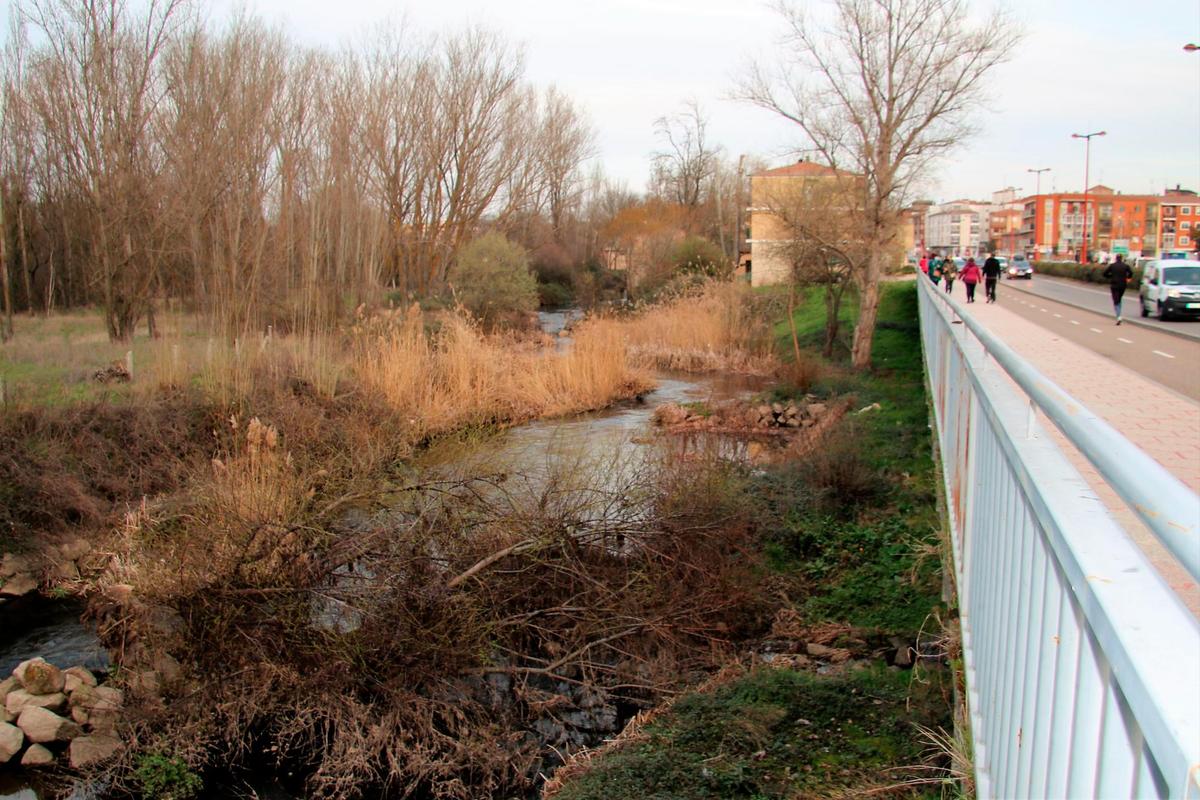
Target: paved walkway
<point x="1161" y="422"/>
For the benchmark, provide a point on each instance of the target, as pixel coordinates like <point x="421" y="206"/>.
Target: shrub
<point x="698" y="255"/>
<point x="491" y="277"/>
<point x="164" y="778"/>
<point x="1089" y="273"/>
<point x="555" y="295"/>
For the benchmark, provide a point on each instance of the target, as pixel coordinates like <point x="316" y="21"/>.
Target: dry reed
<point x="715" y="330"/>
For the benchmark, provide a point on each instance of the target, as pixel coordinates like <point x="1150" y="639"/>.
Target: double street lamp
<point x="1087" y="157"/>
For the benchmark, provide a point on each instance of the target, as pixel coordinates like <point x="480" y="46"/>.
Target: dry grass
<point x="715" y="330"/>
<point x="459" y="377"/>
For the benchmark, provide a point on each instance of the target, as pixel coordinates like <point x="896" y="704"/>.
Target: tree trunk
<point x="833" y="305"/>
<point x="6" y="323"/>
<point x="868" y="309"/>
<point x="31" y="305"/>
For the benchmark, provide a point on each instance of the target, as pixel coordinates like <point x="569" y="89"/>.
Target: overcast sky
<point x="1084" y="65"/>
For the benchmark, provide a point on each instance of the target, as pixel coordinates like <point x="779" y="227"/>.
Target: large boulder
<point x="11" y="739"/>
<point x="43" y="726"/>
<point x="7" y="686"/>
<point x="38" y="676"/>
<point x="37" y="756"/>
<point x="99" y="707"/>
<point x="11" y="565"/>
<point x="76" y="677"/>
<point x="88" y="750"/>
<point x="19" y="699"/>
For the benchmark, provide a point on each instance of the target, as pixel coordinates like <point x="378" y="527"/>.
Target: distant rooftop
<point x="809" y="169"/>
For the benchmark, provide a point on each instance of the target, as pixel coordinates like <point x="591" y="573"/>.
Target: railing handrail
<point x="1163" y="502"/>
<point x="1147" y="641"/>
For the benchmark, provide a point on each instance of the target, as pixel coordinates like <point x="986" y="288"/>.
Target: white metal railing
<point x="1082" y="665"/>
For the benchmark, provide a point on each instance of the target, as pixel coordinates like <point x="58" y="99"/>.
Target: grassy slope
<point x="780" y="733"/>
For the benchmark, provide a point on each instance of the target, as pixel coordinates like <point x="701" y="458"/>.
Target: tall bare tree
<point x="882" y="89"/>
<point x="687" y="159"/>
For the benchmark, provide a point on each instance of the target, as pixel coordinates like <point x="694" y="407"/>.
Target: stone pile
<point x="46" y="712"/>
<point x="60" y="563"/>
<point x="785" y="415"/>
<point x="739" y="416"/>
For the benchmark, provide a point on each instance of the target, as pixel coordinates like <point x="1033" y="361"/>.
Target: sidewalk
<point x="1162" y="423"/>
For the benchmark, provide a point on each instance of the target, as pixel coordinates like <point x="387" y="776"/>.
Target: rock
<point x="120" y="593"/>
<point x="17" y="701"/>
<point x="42" y="725"/>
<point x="66" y="571"/>
<point x="11" y="565"/>
<point x="38" y="676"/>
<point x="37" y="756"/>
<point x="75" y="677"/>
<point x="792" y="422"/>
<point x="75" y="549"/>
<point x="835" y="654"/>
<point x="18" y="585"/>
<point x="88" y="750"/>
<point x="80" y="715"/>
<point x="7" y="686"/>
<point x="11" y="739"/>
<point x="815" y="409"/>
<point x="777" y="408"/>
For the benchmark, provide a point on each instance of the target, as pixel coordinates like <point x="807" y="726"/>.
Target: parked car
<point x="1171" y="287"/>
<point x="1019" y="267"/>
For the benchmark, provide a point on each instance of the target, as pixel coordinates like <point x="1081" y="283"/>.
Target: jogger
<point x="1118" y="274"/>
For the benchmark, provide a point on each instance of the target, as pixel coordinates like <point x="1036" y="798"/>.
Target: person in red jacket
<point x="970" y="276"/>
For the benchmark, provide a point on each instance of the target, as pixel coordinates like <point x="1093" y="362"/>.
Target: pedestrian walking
<point x="949" y="273"/>
<point x="925" y="264"/>
<point x="935" y="273"/>
<point x="991" y="274"/>
<point x="970" y="277"/>
<point x="1118" y="274"/>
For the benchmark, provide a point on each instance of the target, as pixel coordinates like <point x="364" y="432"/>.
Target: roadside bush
<point x="1089" y="273"/>
<point x="491" y="277"/>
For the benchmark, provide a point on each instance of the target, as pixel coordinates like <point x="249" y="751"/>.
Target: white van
<point x="1171" y="288"/>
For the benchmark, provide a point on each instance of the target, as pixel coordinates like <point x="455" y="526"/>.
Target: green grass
<point x="778" y="733"/>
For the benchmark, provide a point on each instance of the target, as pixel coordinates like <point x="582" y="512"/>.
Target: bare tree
<point x="882" y="90"/>
<point x="688" y="159"/>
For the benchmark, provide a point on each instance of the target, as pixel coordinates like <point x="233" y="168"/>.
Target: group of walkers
<point x="946" y="269"/>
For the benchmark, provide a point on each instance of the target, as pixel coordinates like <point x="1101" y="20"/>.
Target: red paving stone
<point x="1170" y="433"/>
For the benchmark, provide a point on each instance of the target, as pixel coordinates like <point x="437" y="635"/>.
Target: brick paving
<point x="1161" y="422"/>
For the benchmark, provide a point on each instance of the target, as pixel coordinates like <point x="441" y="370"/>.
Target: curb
<point x="1137" y="320"/>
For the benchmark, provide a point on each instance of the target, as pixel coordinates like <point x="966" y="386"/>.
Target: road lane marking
<point x="1126" y="341"/>
<point x="1058" y="316"/>
<point x="1074" y="322"/>
<point x="1161" y="353"/>
<point x="1095" y="330"/>
<point x="1045" y="311"/>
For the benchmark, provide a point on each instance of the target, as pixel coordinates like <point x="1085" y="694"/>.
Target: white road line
<point x="1095" y="330"/>
<point x="1074" y="322"/>
<point x="1058" y="316"/>
<point x="1161" y="353"/>
<point x="1045" y="311"/>
<point x="1126" y="341"/>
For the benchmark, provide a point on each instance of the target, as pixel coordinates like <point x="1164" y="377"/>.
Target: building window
<point x="1185" y="211"/>
<point x="1135" y="209"/>
<point x="1183" y="240"/>
<point x="1185" y="225"/>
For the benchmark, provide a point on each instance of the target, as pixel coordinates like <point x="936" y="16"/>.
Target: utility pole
<point x="1037" y="211"/>
<point x="1087" y="158"/>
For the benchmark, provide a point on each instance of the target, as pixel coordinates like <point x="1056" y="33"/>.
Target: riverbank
<point x="849" y="694"/>
<point x="277" y="579"/>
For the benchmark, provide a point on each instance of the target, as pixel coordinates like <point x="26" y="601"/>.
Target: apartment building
<point x="957" y="228"/>
<point x="1052" y="225"/>
<point x="774" y="193"/>
<point x="1180" y="228"/>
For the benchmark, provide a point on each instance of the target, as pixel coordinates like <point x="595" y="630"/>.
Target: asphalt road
<point x="1170" y="360"/>
<point x="1097" y="298"/>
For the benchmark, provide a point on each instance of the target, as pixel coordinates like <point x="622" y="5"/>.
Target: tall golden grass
<point x="459" y="377"/>
<point x="713" y="331"/>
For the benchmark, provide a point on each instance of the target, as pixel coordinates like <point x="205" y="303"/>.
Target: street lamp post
<point x="1087" y="157"/>
<point x="1037" y="199"/>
